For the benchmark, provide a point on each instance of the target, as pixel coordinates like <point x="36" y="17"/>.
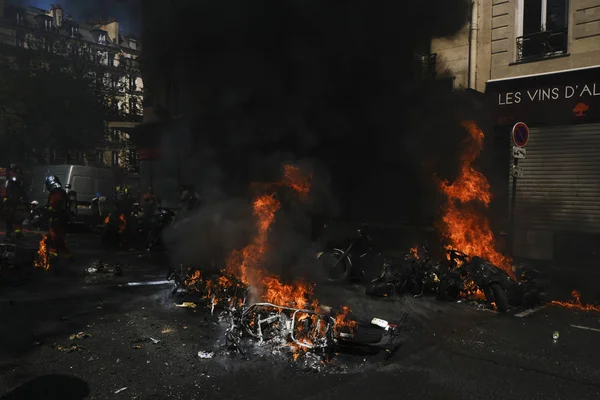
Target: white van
<point x="86" y="181"/>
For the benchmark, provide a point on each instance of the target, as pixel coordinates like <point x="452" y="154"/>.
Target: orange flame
<point x="42" y="260"/>
<point x="296" y="180"/>
<point x="473" y="292"/>
<point x="122" y="223"/>
<point x="107" y="219"/>
<point x="576" y="303"/>
<point x="463" y="226"/>
<point x="343" y="322"/>
<point x="414" y="253"/>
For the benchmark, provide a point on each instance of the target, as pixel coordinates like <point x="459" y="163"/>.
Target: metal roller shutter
<point x="560" y="188"/>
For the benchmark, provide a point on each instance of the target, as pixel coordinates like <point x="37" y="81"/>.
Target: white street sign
<point x="516" y="171"/>
<point x="519" y="152"/>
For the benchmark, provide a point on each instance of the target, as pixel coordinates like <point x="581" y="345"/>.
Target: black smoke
<point x="331" y="83"/>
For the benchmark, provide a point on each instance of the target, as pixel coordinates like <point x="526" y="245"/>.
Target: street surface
<point x="451" y="350"/>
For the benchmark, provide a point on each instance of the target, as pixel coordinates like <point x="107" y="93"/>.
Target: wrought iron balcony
<point x="426" y="65"/>
<point x="540" y="45"/>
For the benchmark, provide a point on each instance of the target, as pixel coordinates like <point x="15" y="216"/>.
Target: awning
<point x="564" y="97"/>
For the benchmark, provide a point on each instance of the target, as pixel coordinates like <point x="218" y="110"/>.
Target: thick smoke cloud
<point x="291" y="80"/>
<point x="127" y="12"/>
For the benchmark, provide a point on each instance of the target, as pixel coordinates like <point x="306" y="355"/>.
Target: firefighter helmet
<point x="52" y="182"/>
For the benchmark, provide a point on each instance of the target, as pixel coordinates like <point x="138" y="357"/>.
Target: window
<point x="111" y="59"/>
<point x="133" y="106"/>
<point x="100" y="157"/>
<point x="19" y="19"/>
<point x="115" y="158"/>
<point x="102" y="38"/>
<point x="541" y="28"/>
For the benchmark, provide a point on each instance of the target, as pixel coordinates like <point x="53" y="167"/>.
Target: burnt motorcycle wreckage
<point x="297" y="329"/>
<point x="467" y="274"/>
<point x="306" y="330"/>
<point x="415" y="274"/>
<point x="461" y="276"/>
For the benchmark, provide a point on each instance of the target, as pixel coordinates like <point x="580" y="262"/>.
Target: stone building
<point x="538" y="62"/>
<point x="110" y="59"/>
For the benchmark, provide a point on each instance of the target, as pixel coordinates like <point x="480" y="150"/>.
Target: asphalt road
<point x="451" y="350"/>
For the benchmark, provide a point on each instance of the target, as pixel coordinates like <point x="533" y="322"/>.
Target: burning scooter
<point x="308" y="330"/>
<point x="468" y="274"/>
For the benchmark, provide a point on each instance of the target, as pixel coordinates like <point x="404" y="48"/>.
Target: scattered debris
<point x="137" y="347"/>
<point x="120" y="390"/>
<point x="206" y="354"/>
<point x="186" y="304"/>
<point x="69" y="349"/>
<point x="79" y="336"/>
<point x="151" y="283"/>
<point x="555" y="335"/>
<point x="155" y="341"/>
<point x="100" y="270"/>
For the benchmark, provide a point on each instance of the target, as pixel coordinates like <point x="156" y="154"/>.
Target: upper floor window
<point x="102" y="38"/>
<point x="19" y="18"/>
<point x="541" y="29"/>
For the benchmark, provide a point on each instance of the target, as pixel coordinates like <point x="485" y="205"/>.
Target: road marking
<point x="529" y="312"/>
<point x="587" y="328"/>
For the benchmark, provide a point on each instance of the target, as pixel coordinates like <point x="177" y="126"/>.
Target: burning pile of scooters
<point x="320" y="332"/>
<point x="459" y="276"/>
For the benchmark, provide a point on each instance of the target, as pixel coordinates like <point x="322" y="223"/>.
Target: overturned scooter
<point x="493" y="281"/>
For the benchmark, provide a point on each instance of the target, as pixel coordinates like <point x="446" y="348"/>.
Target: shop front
<point x="557" y="198"/>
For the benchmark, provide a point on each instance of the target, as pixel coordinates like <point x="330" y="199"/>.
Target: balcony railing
<point x="540" y="45"/>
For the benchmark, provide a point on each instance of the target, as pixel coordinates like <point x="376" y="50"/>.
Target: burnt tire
<point x="500" y="297"/>
<point x="340" y="272"/>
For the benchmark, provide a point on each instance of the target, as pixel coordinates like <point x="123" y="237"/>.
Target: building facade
<point x="538" y="62"/>
<point x="104" y="55"/>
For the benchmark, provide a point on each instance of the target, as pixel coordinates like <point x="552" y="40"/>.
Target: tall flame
<point x="464" y="227"/>
<point x="122" y="223"/>
<point x="247" y="263"/>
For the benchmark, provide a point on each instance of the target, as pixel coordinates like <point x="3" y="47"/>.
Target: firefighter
<point x="150" y="202"/>
<point x="189" y="199"/>
<point x="58" y="216"/>
<point x="14" y="205"/>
